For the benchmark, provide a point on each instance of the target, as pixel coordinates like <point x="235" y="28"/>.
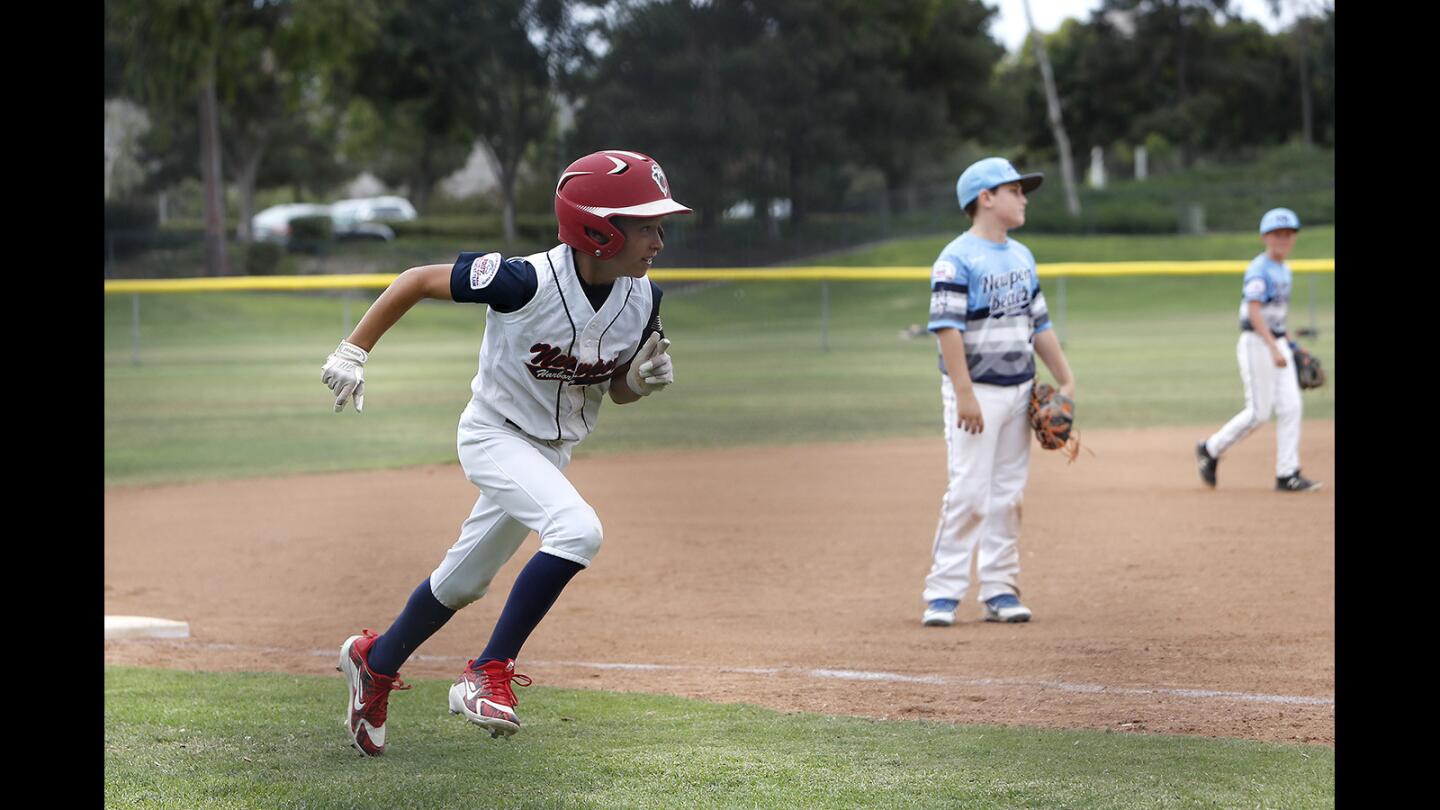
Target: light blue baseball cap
<point x="989" y="173"/>
<point x="1277" y="218"/>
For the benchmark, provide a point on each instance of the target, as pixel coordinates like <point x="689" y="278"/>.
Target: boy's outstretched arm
<point x="344" y="370"/>
<point x="429" y="281"/>
<point x="1048" y="347"/>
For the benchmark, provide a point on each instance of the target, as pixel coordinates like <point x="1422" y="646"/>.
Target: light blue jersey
<point x="1268" y="282"/>
<point x="991" y="293"/>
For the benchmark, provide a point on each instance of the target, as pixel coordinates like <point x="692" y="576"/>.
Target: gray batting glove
<point x="651" y="370"/>
<point x="344" y="372"/>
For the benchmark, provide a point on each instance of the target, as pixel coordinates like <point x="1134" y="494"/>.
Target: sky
<point x="1011" y="29"/>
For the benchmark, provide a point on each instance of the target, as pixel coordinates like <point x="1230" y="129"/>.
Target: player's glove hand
<point x="651" y="369"/>
<point x="344" y="372"/>
<point x="1307" y="367"/>
<point x="1052" y="417"/>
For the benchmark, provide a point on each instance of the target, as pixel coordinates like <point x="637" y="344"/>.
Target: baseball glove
<point x="1052" y="417"/>
<point x="1307" y="367"/>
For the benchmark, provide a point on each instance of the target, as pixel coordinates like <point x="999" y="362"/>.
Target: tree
<point x="514" y="87"/>
<point x="1116" y="76"/>
<point x="170" y="50"/>
<point x="922" y="69"/>
<point x="1309" y="15"/>
<point x="757" y="99"/>
<point x="673" y="84"/>
<point x="283" y="76"/>
<point x="412" y="119"/>
<point x="1057" y="124"/>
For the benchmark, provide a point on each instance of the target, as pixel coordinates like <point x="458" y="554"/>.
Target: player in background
<point x="563" y="328"/>
<point x="990" y="319"/>
<point x="1267" y="362"/>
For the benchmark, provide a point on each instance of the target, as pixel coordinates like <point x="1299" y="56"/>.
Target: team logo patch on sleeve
<point x="483" y="270"/>
<point x="945" y="271"/>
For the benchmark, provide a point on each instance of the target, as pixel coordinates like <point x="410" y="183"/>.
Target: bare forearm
<point x="403" y="293"/>
<point x="952" y="350"/>
<point x="1047" y="345"/>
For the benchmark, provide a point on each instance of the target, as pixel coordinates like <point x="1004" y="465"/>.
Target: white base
<point x="144" y="627"/>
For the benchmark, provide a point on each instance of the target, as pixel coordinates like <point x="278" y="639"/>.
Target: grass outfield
<point x="1313" y="243"/>
<point x="229" y="384"/>
<point x="185" y="739"/>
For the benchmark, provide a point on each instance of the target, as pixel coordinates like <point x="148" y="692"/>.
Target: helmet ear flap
<point x="577" y="224"/>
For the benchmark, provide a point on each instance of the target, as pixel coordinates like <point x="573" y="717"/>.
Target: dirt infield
<point x="790" y="577"/>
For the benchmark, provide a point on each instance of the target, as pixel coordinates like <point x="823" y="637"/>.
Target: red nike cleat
<point x="369" y="694"/>
<point x="484" y="696"/>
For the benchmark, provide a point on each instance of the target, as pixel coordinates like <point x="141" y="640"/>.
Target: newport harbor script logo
<point x="550" y="363"/>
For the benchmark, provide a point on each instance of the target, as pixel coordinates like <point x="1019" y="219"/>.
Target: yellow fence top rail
<point x="382" y="280"/>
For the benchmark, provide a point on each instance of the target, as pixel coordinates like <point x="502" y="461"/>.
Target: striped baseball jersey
<point x="1268" y="282"/>
<point x="549" y="351"/>
<point x="991" y="293"/>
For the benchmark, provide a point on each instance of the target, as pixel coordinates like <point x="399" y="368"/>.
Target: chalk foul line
<point x="841" y="674"/>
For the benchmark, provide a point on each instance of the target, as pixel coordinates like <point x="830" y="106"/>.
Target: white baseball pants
<point x="981" y="507"/>
<point x="1267" y="389"/>
<point x="522" y="489"/>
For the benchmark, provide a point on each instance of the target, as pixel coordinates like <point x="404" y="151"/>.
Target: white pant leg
<point x="523" y="489"/>
<point x="971" y="459"/>
<point x="998" y="563"/>
<point x="1288" y="412"/>
<point x="488" y="539"/>
<point x="1257" y="372"/>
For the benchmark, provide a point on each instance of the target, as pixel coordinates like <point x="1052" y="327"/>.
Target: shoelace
<point x="497" y="682"/>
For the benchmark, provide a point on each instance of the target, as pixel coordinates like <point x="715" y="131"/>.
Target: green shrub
<point x="131" y="215"/>
<point x="263" y="259"/>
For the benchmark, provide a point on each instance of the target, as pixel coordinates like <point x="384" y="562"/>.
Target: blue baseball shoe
<point x="940" y="613"/>
<point x="1006" y="608"/>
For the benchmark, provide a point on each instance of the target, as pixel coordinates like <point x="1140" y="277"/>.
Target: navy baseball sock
<point x="422" y="616"/>
<point x="536" y="589"/>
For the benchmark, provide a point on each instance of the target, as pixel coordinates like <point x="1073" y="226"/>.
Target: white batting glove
<point x="651" y="369"/>
<point x="344" y="372"/>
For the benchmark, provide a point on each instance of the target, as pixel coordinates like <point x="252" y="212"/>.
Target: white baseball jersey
<point x="545" y="366"/>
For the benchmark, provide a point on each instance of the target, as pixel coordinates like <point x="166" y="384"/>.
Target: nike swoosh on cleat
<point x="376" y="735"/>
<point x="359" y="705"/>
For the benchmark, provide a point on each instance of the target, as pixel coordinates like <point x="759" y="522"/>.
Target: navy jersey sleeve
<point x="485" y="278"/>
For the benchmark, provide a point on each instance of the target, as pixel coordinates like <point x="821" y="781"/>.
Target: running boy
<point x="1267" y="362"/>
<point x="990" y="319"/>
<point x="564" y="328"/>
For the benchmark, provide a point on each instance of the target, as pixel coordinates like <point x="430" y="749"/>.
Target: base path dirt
<point x="790" y="577"/>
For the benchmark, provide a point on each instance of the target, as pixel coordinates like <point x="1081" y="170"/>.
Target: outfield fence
<point x="1059" y="271"/>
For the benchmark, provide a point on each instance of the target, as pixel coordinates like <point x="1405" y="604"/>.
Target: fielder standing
<point x="564" y="328"/>
<point x="990" y="319"/>
<point x="1267" y="361"/>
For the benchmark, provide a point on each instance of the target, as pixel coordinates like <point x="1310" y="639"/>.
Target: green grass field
<point x="185" y="739"/>
<point x="1314" y="243"/>
<point x="228" y="384"/>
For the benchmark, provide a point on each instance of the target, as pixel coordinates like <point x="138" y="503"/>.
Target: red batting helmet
<point x="607" y="184"/>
